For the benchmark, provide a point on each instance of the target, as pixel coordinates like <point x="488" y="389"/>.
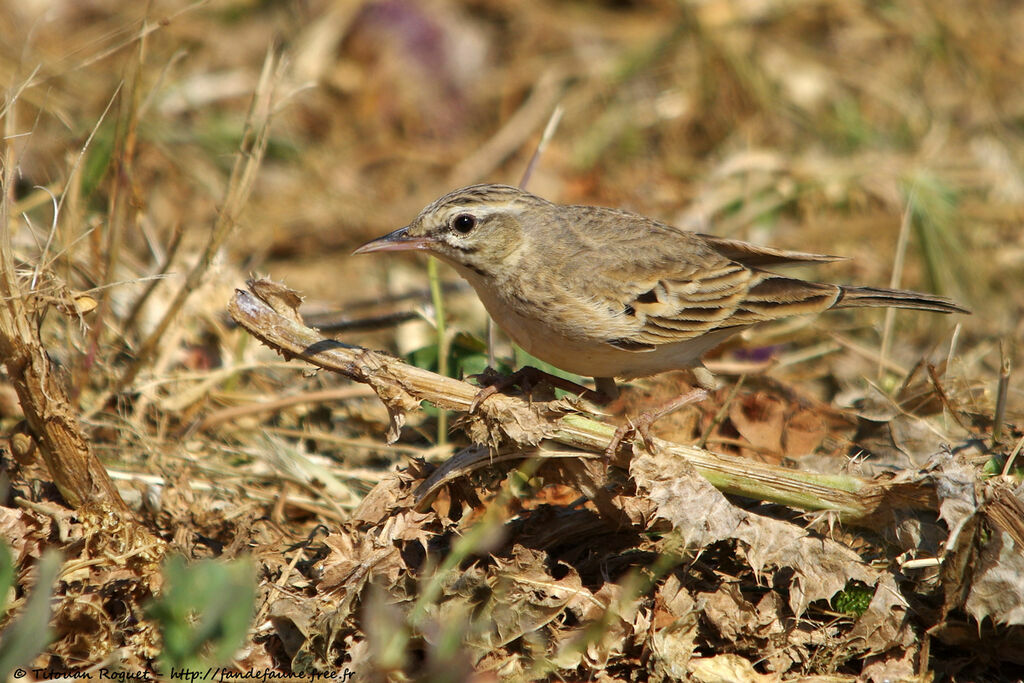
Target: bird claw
<point x="493" y="383"/>
<point x="525" y="378"/>
<point x="482" y="395"/>
<point x="642" y="425"/>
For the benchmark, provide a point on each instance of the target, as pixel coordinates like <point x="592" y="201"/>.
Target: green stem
<point x="442" y="342"/>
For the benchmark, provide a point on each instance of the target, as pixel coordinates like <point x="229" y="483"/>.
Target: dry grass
<point x="156" y="154"/>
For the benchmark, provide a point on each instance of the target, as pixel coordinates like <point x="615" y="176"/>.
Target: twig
<point x="371" y="322"/>
<point x="933" y="374"/>
<point x="894" y="283"/>
<point x="549" y="132"/>
<point x="77" y="473"/>
<point x="402" y="387"/>
<point x="172" y="251"/>
<point x="1013" y="456"/>
<point x="545" y="138"/>
<point x="442" y="340"/>
<point x="1002" y="394"/>
<point x="306" y="398"/>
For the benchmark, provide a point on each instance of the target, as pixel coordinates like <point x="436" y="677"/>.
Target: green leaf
<point x="6" y="576"/>
<point x="853" y="600"/>
<point x="467" y="355"/>
<point x="30" y="633"/>
<point x="204" y="612"/>
<point x="523" y="358"/>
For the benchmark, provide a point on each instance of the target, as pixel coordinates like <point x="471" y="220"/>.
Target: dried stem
<point x="77" y="473"/>
<point x="401" y="386"/>
<point x="243" y="175"/>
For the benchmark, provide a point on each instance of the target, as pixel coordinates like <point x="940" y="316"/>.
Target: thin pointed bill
<point x="399" y="240"/>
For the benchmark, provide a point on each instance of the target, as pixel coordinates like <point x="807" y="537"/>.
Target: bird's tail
<point x="856" y="297"/>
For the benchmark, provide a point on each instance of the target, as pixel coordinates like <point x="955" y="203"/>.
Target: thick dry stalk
<point x="77" y="473"/>
<point x="272" y="319"/>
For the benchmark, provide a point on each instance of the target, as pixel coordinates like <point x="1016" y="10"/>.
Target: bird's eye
<point x="463" y="223"/>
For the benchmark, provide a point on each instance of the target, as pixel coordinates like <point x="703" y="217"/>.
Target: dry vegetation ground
<point x="157" y="153"/>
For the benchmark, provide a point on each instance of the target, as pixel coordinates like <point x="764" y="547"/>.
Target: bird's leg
<point x="642" y="424"/>
<point x="705" y="380"/>
<point x="525" y="377"/>
<point x="607" y="388"/>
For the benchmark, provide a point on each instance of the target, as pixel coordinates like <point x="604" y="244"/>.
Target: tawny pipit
<point x="608" y="293"/>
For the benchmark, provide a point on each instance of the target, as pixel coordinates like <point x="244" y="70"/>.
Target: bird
<point x="607" y="293"/>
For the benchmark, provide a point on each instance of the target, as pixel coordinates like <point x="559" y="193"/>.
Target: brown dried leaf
<point x="374" y="553"/>
<point x="956" y="486"/>
<point x="916" y="438"/>
<point x="984" y="564"/>
<point x="396" y="399"/>
<point x="883" y="626"/>
<point x="805" y="430"/>
<point x="731" y="615"/>
<point x="283" y="299"/>
<point x="613" y="609"/>
<point x="497" y="423"/>
<point x="393" y="492"/>
<point x="521" y="596"/>
<point x="292" y="618"/>
<point x="774" y="425"/>
<point x="27" y="532"/>
<point x="702" y="515"/>
<point x="671" y="602"/>
<point x="899" y="665"/>
<point x="727" y="668"/>
<point x="531" y="597"/>
<point x="997" y="590"/>
<point x="672" y="646"/>
<point x="353" y="558"/>
<point x="760" y="419"/>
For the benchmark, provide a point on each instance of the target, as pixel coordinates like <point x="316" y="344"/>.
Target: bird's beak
<point x="399" y="240"/>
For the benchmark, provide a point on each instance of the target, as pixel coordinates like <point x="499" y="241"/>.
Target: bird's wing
<point x="726" y="295"/>
<point x="755" y="256"/>
<point x="651" y="284"/>
<point x="638" y="284"/>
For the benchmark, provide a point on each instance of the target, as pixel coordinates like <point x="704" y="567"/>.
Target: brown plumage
<point x="609" y="293"/>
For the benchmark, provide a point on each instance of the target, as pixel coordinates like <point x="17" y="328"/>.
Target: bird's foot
<point x="642" y="424"/>
<point x="525" y="378"/>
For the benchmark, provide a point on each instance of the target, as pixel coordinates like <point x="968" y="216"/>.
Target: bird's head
<point x="476" y="227"/>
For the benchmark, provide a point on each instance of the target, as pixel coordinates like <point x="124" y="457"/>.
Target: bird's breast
<point x="551" y="331"/>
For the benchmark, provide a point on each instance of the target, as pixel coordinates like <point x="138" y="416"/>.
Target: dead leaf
<point x="727" y="669"/>
<point x="805" y="430"/>
<point x="729" y="612"/>
<point x="283" y="299"/>
<point x="899" y="665"/>
<point x="672" y="646"/>
<point x="396" y="399"/>
<point x="883" y="626"/>
<point x="702" y="515"/>
<point x="496" y="423"/>
<point x="760" y="419"/>
<point x="997" y="587"/>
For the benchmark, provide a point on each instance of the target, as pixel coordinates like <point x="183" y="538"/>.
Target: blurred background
<point x="805" y="124"/>
<point x="862" y="129"/>
<point x="887" y="132"/>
